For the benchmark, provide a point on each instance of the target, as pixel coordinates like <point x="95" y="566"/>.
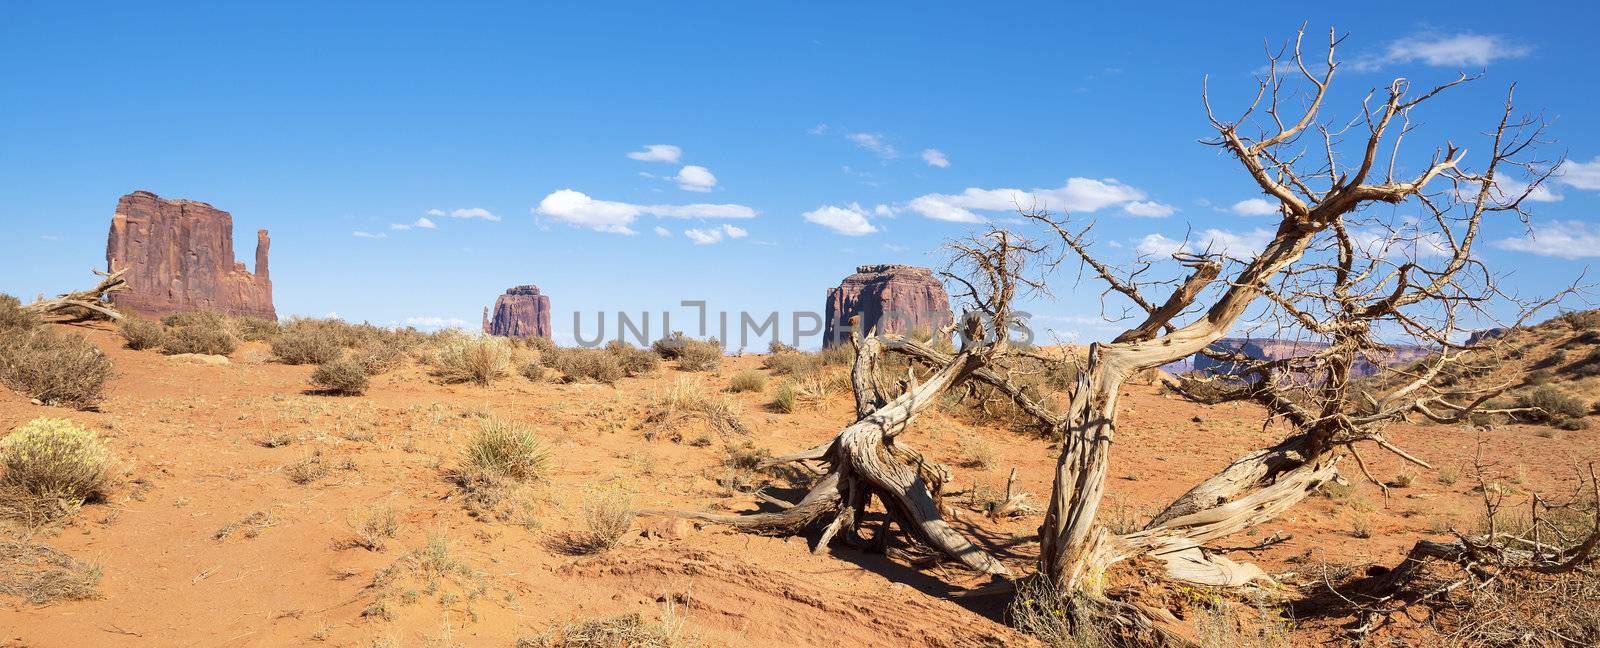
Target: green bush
<point x="344" y="376"/>
<point x="506" y="449"/>
<point x="57" y="462"/>
<point x="748" y="380"/>
<point x="206" y="338"/>
<point x="141" y="334"/>
<point x="54" y="368"/>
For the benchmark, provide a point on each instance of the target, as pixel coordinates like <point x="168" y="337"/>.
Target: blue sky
<point x="321" y="120"/>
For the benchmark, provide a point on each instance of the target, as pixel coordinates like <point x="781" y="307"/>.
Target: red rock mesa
<point x="179" y="257"/>
<point x="521" y="312"/>
<point x="894" y="298"/>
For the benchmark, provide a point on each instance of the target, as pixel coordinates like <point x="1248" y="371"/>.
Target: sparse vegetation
<point x="39" y="574"/>
<point x="345" y="377"/>
<point x="376" y="526"/>
<point x="506" y="449"/>
<point x="533" y="371"/>
<point x="1552" y="404"/>
<point x="200" y="332"/>
<point x="700" y="356"/>
<point x="309" y="341"/>
<point x="975" y="451"/>
<point x="377" y="358"/>
<point x="621" y="631"/>
<point x="307" y="470"/>
<point x="684" y="401"/>
<point x="248" y="526"/>
<point x="577" y="365"/>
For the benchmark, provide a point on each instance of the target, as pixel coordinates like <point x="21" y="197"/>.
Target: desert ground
<point x="241" y="495"/>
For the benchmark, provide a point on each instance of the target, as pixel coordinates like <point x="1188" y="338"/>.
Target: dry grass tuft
<point x="621" y="631"/>
<point x="975" y="451"/>
<point x="748" y="380"/>
<point x="578" y="365"/>
<point x="248" y="526"/>
<point x="669" y="410"/>
<point x="378" y="525"/>
<point x="39" y="574"/>
<point x="479" y="359"/>
<point x="307" y="470"/>
<point x="607" y="516"/>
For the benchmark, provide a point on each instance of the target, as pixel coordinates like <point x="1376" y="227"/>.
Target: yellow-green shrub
<point x="56" y="461"/>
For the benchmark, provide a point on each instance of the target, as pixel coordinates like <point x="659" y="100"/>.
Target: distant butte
<point x="894" y="299"/>
<point x="179" y="257"/>
<point x="521" y="312"/>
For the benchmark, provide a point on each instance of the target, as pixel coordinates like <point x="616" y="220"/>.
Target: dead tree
<point x="94" y="302"/>
<point x="1332" y="271"/>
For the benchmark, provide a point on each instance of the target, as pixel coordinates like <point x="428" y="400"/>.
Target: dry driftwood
<point x="94" y="302"/>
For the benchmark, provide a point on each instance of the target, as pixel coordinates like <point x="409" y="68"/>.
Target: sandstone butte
<point x="521" y="312"/>
<point x="896" y="299"/>
<point x="179" y="257"/>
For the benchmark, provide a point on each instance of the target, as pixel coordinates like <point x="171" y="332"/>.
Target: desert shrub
<point x="838" y="354"/>
<point x="748" y="380"/>
<point x="1572" y="424"/>
<point x="776" y="347"/>
<point x="207" y="338"/>
<point x="700" y="355"/>
<point x="624" y="630"/>
<point x="308" y="469"/>
<point x="372" y="529"/>
<point x="506" y="449"/>
<point x="55" y="368"/>
<point x="1553" y="404"/>
<point x="377" y="358"/>
<point x="56" y="463"/>
<point x="633" y="361"/>
<point x="141" y="334"/>
<point x="1584" y="320"/>
<point x="607" y="516"/>
<point x="586" y="364"/>
<point x="345" y="376"/>
<point x="207" y="319"/>
<point x="791" y="363"/>
<point x="540" y="344"/>
<point x="255" y="329"/>
<point x="12" y="317"/>
<point x="671" y="346"/>
<point x="479" y="359"/>
<point x="534" y="370"/>
<point x="304" y="341"/>
<point x="786" y="397"/>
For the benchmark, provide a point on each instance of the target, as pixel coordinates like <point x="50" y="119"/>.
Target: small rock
<point x="667" y="528"/>
<point x="1197" y="419"/>
<point x="200" y="358"/>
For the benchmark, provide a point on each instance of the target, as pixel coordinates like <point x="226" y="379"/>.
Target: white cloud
<point x="715" y="234"/>
<point x="657" y="153"/>
<point x="1215" y="241"/>
<point x="935" y="158"/>
<point x="1566" y="239"/>
<point x="1149" y="209"/>
<point x="423" y="223"/>
<point x="578" y="209"/>
<point x="695" y="178"/>
<point x="895" y="248"/>
<point x="1077" y="195"/>
<point x="819" y="129"/>
<point x="849" y="221"/>
<point x="473" y="212"/>
<point x="1582" y="175"/>
<point x="368" y="235"/>
<point x="426" y="323"/>
<point x="1254" y="207"/>
<point x="663" y="232"/>
<point x="1441" y="50"/>
<point x="874" y="142"/>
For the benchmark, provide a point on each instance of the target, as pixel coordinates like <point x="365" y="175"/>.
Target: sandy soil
<point x="187" y="436"/>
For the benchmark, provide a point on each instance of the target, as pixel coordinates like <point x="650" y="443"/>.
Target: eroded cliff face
<point x="895" y="299"/>
<point x="179" y="257"/>
<point x="521" y="312"/>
